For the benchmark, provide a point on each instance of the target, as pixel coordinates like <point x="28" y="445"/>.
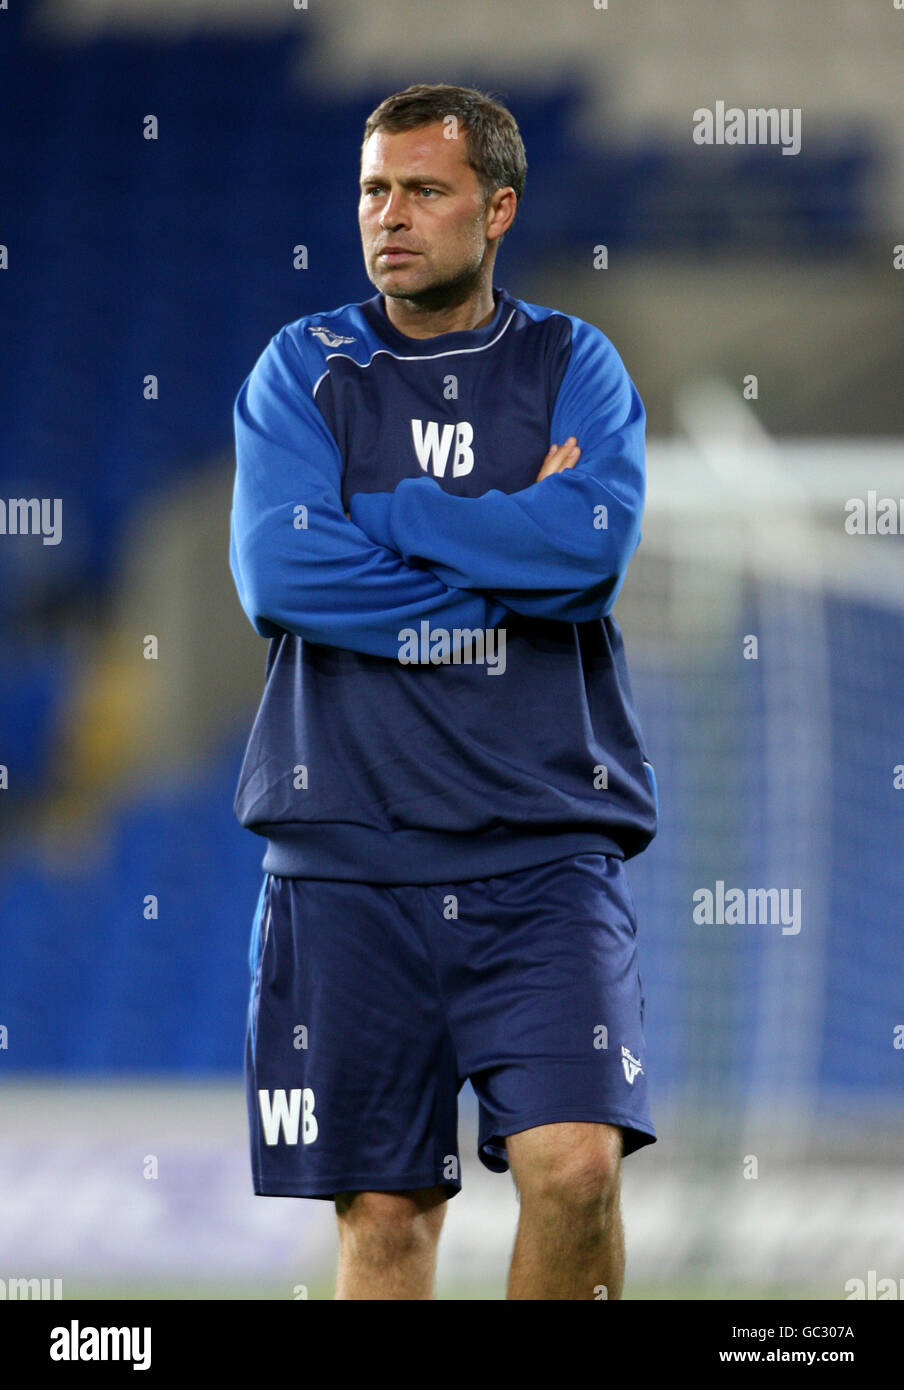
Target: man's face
<point x="420" y="194"/>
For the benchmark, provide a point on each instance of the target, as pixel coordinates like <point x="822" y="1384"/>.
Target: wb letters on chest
<point x="441" y="447"/>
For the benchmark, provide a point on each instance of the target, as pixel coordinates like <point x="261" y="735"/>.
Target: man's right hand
<point x="560" y="457"/>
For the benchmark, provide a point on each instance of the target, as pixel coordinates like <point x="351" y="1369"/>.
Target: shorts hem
<point x="326" y="1188"/>
<point x="639" y="1133"/>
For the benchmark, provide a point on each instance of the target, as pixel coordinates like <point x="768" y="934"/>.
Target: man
<point x="437" y="495"/>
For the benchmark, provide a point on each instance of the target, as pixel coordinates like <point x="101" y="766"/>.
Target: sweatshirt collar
<point x="374" y="311"/>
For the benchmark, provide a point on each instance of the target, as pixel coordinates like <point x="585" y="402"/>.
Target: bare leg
<point x="570" y="1241"/>
<point x="388" y="1243"/>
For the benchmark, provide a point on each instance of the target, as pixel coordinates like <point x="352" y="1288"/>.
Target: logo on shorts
<point x="631" y="1065"/>
<point x="288" y="1113"/>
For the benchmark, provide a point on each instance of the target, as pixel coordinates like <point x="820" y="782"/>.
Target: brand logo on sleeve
<point x="327" y="336"/>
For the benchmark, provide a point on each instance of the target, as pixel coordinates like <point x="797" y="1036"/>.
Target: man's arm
<point x="299" y="565"/>
<point x="559" y="548"/>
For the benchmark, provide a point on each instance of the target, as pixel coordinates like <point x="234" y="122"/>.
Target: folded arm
<point x="299" y="564"/>
<point x="559" y="548"/>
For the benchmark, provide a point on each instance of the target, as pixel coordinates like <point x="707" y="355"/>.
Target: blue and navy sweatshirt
<point x="446" y="693"/>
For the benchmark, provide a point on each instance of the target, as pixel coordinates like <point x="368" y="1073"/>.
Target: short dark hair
<point x="492" y="139"/>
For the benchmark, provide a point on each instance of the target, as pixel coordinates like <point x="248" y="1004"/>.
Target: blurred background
<point x="756" y="302"/>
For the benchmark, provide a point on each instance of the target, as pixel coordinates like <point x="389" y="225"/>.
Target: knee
<point x="391" y="1225"/>
<point x="581" y="1179"/>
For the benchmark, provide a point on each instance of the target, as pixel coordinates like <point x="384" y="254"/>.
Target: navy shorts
<point x="371" y="1004"/>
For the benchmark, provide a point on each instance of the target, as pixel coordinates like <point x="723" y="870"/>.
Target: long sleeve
<point x="560" y="548"/>
<point x="298" y="563"/>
